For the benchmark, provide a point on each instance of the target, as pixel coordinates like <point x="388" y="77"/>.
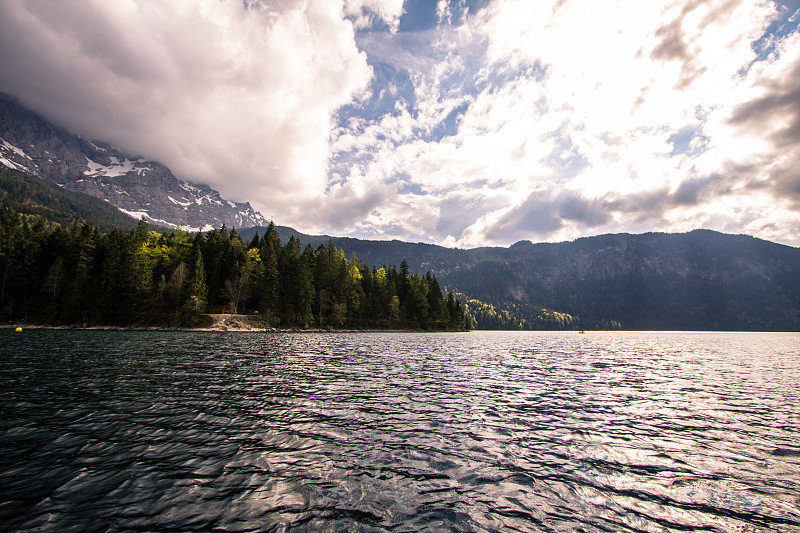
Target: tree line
<point x="516" y="316"/>
<point x="80" y="275"/>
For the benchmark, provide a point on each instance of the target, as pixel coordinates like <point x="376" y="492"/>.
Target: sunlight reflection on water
<point x="360" y="431"/>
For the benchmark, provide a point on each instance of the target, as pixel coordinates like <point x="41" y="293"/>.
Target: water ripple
<point x="172" y="431"/>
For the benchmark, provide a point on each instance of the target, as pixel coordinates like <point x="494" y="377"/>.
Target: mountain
<point x="420" y="256"/>
<point x="701" y="280"/>
<point x="26" y="195"/>
<point x="137" y="187"/>
<point x="696" y="281"/>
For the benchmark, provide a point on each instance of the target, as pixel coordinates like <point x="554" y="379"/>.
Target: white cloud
<point x="643" y="72"/>
<point x="364" y="12"/>
<point x="571" y="111"/>
<point x="535" y="120"/>
<point x="237" y="97"/>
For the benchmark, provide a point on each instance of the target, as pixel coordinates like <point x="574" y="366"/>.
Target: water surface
<point x="160" y="431"/>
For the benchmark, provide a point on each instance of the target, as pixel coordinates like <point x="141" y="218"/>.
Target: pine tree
<point x="196" y="289"/>
<point x="437" y="308"/>
<point x="253" y="244"/>
<point x="270" y="249"/>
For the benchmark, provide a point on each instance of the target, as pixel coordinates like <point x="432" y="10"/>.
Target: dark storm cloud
<point x="694" y="191"/>
<point x="777" y="115"/>
<point x="647" y="204"/>
<point x="787" y="179"/>
<point x="586" y="212"/>
<point x="672" y="45"/>
<point x="690" y="192"/>
<point x="782" y="100"/>
<point x="544" y="213"/>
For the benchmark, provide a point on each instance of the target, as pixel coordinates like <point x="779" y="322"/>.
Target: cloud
<point x="673" y="37"/>
<point x="587" y="117"/>
<point x="486" y="123"/>
<point x="545" y="212"/>
<point x="779" y="103"/>
<point x="365" y="13"/>
<point x="236" y="95"/>
<point x="463" y="208"/>
<point x="757" y="139"/>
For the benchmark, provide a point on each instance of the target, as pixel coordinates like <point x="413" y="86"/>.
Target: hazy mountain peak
<point x="136" y="186"/>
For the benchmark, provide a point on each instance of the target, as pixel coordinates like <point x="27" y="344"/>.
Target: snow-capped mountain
<point x="140" y="188"/>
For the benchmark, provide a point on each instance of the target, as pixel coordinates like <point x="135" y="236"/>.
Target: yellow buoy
<point x="18" y="329"/>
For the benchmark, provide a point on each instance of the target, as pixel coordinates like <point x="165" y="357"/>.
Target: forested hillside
<point x="29" y="203"/>
<point x="26" y="195"/>
<point x="144" y="277"/>
<point x="701" y="280"/>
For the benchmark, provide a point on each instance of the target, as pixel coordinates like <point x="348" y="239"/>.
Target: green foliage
<point x="514" y="316"/>
<point x="701" y="280"/>
<point x="143" y="277"/>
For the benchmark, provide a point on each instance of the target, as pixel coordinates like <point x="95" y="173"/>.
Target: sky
<point x="457" y="122"/>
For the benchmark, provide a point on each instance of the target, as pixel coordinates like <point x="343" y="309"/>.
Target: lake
<point x="479" y="431"/>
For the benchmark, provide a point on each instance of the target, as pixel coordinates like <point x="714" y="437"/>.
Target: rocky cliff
<point x="140" y="188"/>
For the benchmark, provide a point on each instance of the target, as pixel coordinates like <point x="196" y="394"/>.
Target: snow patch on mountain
<point x="188" y="186"/>
<point x="136" y="214"/>
<point x="11" y="164"/>
<point x="93" y="145"/>
<point x="143" y="214"/>
<point x="15" y="158"/>
<point x="115" y="169"/>
<point x="185" y="203"/>
<point x="7" y="146"/>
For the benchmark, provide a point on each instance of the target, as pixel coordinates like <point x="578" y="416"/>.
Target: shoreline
<point x="228" y="323"/>
<point x="25" y="327"/>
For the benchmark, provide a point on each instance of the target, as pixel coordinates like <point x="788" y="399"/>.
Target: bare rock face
<point x="138" y="187"/>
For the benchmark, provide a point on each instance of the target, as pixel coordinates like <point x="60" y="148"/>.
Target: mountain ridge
<point x="35" y="198"/>
<point x="702" y="279"/>
<point x="697" y="280"/>
<point x="140" y="188"/>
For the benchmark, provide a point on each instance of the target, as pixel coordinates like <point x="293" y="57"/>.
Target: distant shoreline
<point x="237" y="330"/>
<point x="222" y="327"/>
<point x="226" y="322"/>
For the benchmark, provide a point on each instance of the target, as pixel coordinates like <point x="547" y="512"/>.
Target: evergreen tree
<point x="196" y="289"/>
<point x="12" y="263"/>
<point x="270" y="250"/>
<point x="143" y="276"/>
<point x="254" y="243"/>
<point x="174" y="286"/>
<point x="437" y="308"/>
